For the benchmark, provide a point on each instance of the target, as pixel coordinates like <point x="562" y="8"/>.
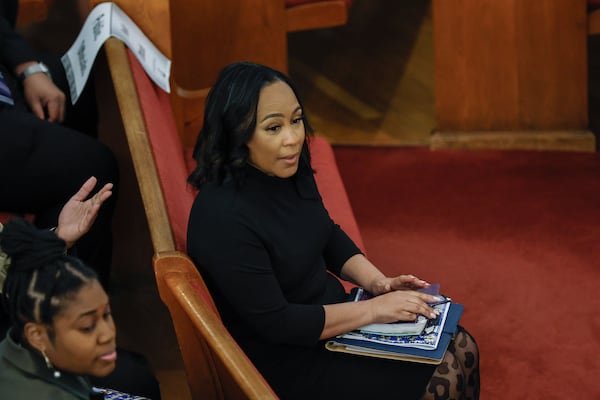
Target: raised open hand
<point x="79" y="213"/>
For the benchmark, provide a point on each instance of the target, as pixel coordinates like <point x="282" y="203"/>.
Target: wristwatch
<point x="34" y="69"/>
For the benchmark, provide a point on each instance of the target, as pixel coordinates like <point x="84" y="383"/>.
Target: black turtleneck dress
<point x="264" y="250"/>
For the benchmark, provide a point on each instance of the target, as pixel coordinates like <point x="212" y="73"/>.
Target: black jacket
<point x="14" y="50"/>
<point x="24" y="375"/>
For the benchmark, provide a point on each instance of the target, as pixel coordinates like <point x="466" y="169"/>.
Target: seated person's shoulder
<point x="15" y="383"/>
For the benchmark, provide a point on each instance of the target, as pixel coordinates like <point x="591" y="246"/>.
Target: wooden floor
<point x="368" y="83"/>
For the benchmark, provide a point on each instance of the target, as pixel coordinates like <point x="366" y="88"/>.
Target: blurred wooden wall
<point x="511" y="74"/>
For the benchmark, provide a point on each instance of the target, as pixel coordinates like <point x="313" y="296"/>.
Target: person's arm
<point x="359" y="270"/>
<point x="41" y="94"/>
<point x="79" y="213"/>
<point x="394" y="300"/>
<point x="14" y="50"/>
<point x="9" y="10"/>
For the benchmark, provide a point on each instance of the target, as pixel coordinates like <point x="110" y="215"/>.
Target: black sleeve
<point x="9" y="10"/>
<point x="238" y="264"/>
<point x="14" y="50"/>
<point x="339" y="249"/>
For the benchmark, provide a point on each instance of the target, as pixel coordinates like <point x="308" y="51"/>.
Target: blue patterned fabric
<point x="5" y="94"/>
<point x="110" y="394"/>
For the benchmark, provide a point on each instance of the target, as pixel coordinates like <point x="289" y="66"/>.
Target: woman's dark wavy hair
<point x="229" y="121"/>
<point x="41" y="277"/>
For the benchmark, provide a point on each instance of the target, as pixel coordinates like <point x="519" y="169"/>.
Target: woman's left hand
<point x="401" y="282"/>
<point x="79" y="213"/>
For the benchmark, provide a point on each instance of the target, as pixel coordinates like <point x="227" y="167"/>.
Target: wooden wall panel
<point x="552" y="62"/>
<point x="207" y="35"/>
<point x="473" y="51"/>
<point x="511" y="66"/>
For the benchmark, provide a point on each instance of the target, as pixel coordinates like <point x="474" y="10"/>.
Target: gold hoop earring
<point x="55" y="372"/>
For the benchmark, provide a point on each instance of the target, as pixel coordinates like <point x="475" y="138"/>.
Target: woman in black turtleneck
<point x="265" y="244"/>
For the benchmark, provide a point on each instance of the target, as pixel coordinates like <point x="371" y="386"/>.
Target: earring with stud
<point x="55" y="372"/>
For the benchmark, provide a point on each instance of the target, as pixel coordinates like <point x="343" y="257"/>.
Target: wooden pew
<point x="158" y="157"/>
<point x="234" y="30"/>
<point x="161" y="171"/>
<point x="304" y="15"/>
<point x="593" y="17"/>
<point x="220" y="368"/>
<point x="229" y="30"/>
<point x="32" y="11"/>
<point x="216" y="368"/>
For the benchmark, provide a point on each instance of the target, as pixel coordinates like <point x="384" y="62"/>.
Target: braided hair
<point x="41" y="278"/>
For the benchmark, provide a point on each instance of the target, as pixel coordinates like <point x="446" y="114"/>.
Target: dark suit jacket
<point x="14" y="50"/>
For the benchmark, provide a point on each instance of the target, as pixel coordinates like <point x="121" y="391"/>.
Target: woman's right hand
<point x="401" y="305"/>
<point x="397" y="305"/>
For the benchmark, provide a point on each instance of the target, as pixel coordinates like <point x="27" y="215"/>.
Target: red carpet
<point x="514" y="236"/>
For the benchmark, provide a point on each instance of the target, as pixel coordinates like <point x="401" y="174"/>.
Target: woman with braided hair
<point x="62" y="339"/>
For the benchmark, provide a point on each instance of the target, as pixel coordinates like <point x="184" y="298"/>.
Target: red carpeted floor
<point x="514" y="236"/>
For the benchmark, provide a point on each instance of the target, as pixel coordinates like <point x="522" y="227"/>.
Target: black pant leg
<point x="42" y="165"/>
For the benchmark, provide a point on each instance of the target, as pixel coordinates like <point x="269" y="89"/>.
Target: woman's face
<point x="277" y="140"/>
<point x="84" y="334"/>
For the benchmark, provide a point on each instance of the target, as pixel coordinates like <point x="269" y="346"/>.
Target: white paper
<point x="156" y="65"/>
<point x="104" y="21"/>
